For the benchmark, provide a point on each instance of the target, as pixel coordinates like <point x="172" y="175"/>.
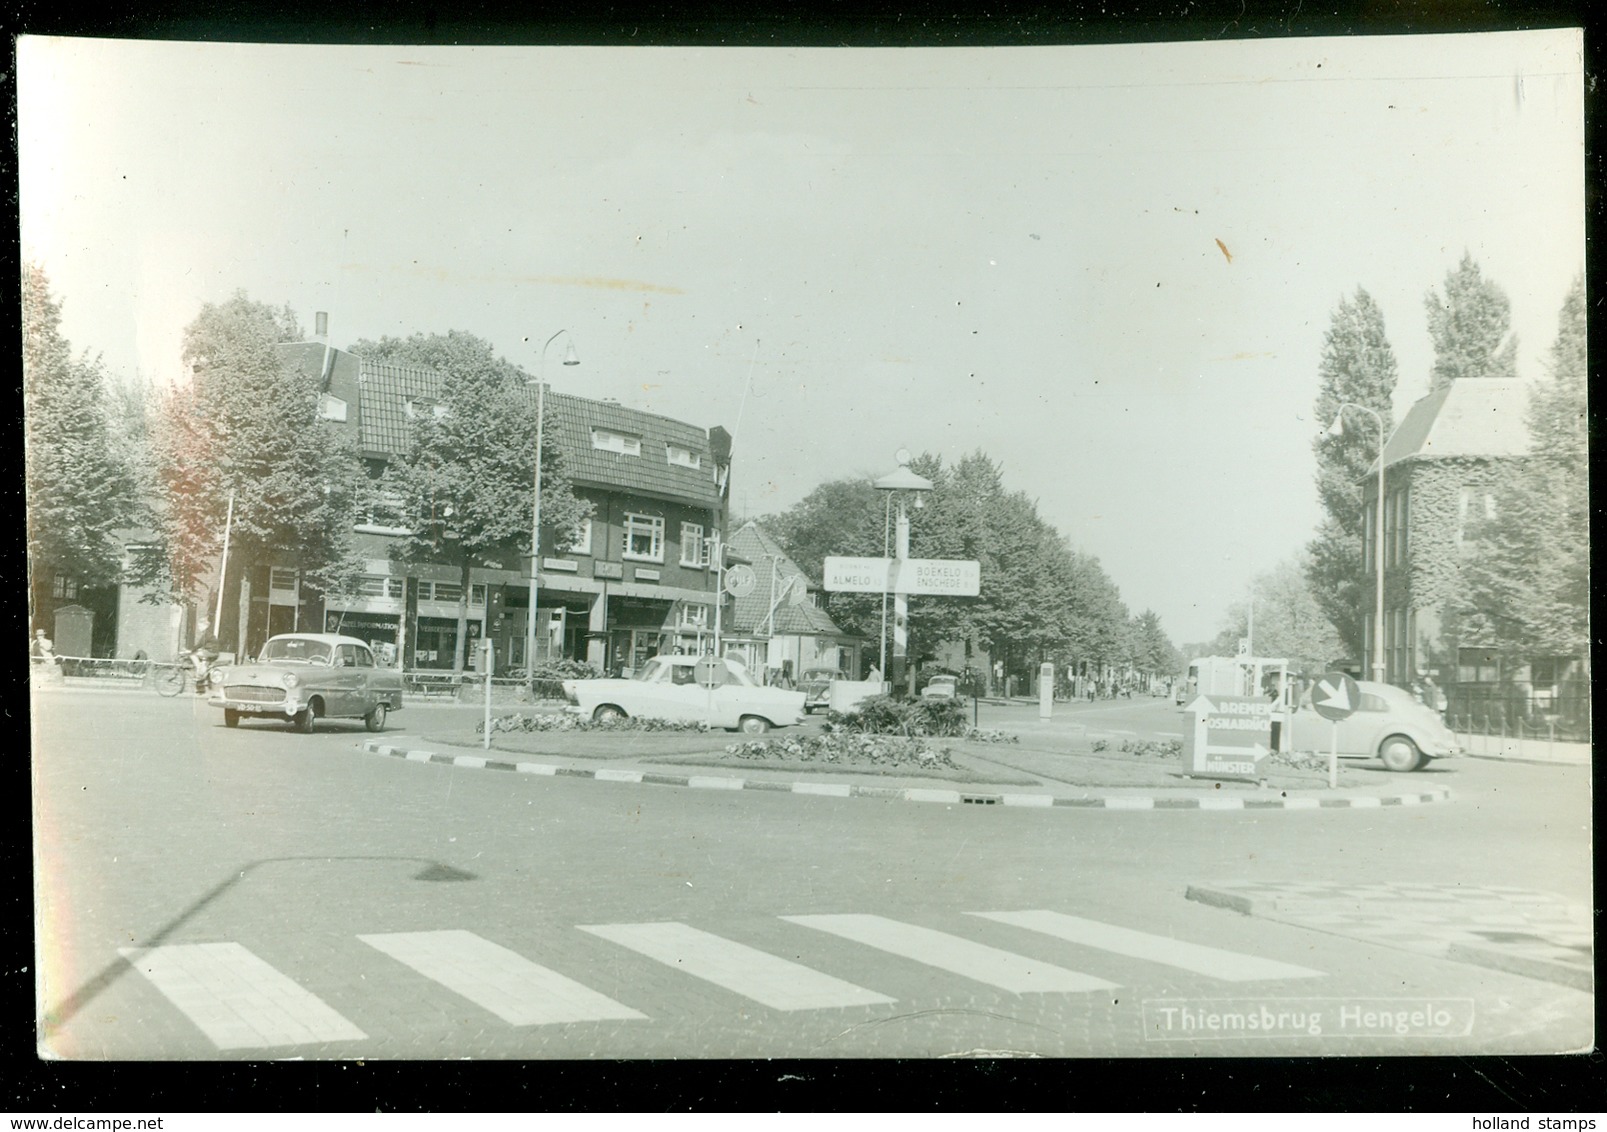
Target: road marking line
<point x="830" y="789"/>
<point x="501" y="981"/>
<point x="1003" y="969"/>
<point x="1220" y="964"/>
<point x="236" y="999"/>
<point x="607" y="775"/>
<point x="777" y="983"/>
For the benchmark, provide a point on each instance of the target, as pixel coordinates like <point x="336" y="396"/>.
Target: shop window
<point x="643" y="537"/>
<point x="694" y="551"/>
<point x="607" y="440"/>
<point x="682" y="457"/>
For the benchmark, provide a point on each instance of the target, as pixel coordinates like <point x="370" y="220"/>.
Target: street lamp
<point x="899" y="485"/>
<point x="571" y="358"/>
<point x="1336" y="429"/>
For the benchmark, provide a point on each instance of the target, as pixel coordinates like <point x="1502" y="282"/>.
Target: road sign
<point x="952" y="577"/>
<point x="709" y="671"/>
<point x="1229" y="736"/>
<point x="1335" y="696"/>
<point x="740" y="580"/>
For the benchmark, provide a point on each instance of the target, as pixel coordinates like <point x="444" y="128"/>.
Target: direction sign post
<point x="1229" y="737"/>
<point x="1335" y="697"/>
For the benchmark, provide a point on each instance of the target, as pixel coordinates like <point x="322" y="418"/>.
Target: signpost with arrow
<point x="1335" y="697"/>
<point x="1229" y="737"/>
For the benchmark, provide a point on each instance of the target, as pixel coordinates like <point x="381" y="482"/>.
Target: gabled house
<point x="778" y="628"/>
<point x="1442" y="468"/>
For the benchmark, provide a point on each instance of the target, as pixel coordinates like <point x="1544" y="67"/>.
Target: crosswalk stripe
<point x="237" y="1000"/>
<point x="777" y="983"/>
<point x="502" y="981"/>
<point x="1231" y="966"/>
<point x="1003" y="969"/>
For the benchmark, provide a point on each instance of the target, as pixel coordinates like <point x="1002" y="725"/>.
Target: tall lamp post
<point x="900" y="485"/>
<point x="571" y="358"/>
<point x="1336" y="429"/>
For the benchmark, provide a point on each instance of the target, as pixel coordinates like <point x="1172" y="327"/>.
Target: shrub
<point x="885" y="715"/>
<point x="565" y="670"/>
<point x="1099" y="744"/>
<point x="1157" y="748"/>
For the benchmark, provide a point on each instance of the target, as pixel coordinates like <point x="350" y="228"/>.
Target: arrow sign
<point x="1336" y="696"/>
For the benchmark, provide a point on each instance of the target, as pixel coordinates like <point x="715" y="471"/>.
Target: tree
<point x="1470" y="326"/>
<point x="79" y="486"/>
<point x="1358" y="367"/>
<point x="1525" y="589"/>
<point x="1289" y="622"/>
<point x="464" y="485"/>
<point x="247" y="423"/>
<point x="1153" y="651"/>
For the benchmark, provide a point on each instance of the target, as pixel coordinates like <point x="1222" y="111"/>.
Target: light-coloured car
<point x="1388" y="724"/>
<point x="941" y="687"/>
<point x="667" y="687"/>
<point x="304" y="677"/>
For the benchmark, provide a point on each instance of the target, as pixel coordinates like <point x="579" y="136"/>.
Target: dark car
<point x="816" y="687"/>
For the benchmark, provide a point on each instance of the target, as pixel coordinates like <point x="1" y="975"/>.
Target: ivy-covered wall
<point x="1429" y="576"/>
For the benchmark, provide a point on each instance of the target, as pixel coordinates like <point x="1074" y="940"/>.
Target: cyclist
<point x="205" y="653"/>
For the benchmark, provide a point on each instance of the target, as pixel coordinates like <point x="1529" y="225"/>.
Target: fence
<point x="1516" y="713"/>
<point x="109" y="672"/>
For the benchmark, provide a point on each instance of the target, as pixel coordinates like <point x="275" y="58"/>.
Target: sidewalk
<point x="1526" y="750"/>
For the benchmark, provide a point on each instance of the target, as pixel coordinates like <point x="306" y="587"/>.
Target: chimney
<point x="321" y="326"/>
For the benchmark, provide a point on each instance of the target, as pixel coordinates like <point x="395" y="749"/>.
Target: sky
<point x="1109" y="267"/>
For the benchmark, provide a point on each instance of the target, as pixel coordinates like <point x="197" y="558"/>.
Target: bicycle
<point x="174" y="678"/>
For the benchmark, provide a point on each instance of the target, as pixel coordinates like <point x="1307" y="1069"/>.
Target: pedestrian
<point x="43" y="649"/>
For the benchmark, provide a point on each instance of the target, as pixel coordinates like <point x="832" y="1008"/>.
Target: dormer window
<point x="425" y="407"/>
<point x="607" y="440"/>
<point x="683" y="457"/>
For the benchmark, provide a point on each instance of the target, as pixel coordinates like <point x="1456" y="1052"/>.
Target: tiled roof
<point x="1474" y="417"/>
<point x="386" y="388"/>
<point x="650" y="473"/>
<point x="750" y="613"/>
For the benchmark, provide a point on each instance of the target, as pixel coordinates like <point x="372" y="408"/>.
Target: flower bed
<point x="848" y="749"/>
<point x="547" y="721"/>
<point x="916" y="719"/>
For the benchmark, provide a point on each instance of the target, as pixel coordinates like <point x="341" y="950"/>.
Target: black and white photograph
<point x="594" y="553"/>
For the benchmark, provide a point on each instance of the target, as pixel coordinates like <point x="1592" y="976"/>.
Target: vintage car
<point x="941" y="687"/>
<point x="667" y="687"/>
<point x="816" y="687"/>
<point x="303" y="677"/>
<point x="1388" y="724"/>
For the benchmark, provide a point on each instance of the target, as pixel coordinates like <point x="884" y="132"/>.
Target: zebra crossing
<point x="239" y="1002"/>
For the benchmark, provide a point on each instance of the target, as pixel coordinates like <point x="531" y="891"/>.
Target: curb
<point x="1513" y="963"/>
<point x="908" y="793"/>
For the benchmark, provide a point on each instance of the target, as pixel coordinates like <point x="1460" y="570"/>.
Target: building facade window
<point x="642" y="537"/>
<point x="607" y="440"/>
<point x="582" y="543"/>
<point x="694" y="551"/>
<point x="682" y="457"/>
<point x="1477" y="666"/>
<point x="282" y="578"/>
<point x="64" y="586"/>
<point x="378" y="585"/>
<point x="693" y="617"/>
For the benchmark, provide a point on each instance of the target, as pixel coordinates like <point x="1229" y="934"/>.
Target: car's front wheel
<point x="1400" y="754"/>
<point x="303" y="719"/>
<point x="754" y="725"/>
<point x="608" y="713"/>
<point x="231" y="718"/>
<point x="375" y="719"/>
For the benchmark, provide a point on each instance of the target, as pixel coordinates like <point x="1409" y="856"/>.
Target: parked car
<point x="941" y="687"/>
<point x="1388" y="724"/>
<point x="304" y="677"/>
<point x="816" y="687"/>
<point x="666" y="687"/>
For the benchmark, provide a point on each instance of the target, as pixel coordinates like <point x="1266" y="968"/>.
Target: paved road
<point x="212" y="893"/>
